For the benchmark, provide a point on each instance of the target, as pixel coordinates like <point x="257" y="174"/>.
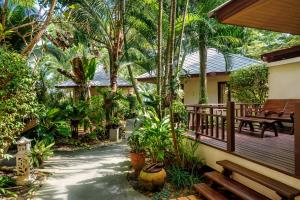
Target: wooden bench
<point x="209" y="193"/>
<point x="286" y="192"/>
<point x="265" y="123"/>
<point x="281" y="110"/>
<point x="235" y="187"/>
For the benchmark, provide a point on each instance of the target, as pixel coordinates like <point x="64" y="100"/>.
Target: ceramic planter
<point x="153" y="177"/>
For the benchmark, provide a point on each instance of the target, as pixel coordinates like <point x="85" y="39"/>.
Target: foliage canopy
<point x="250" y="85"/>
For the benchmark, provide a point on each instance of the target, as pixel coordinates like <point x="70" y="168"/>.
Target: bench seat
<point x="266" y="123"/>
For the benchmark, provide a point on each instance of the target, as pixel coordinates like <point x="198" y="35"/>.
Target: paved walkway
<point x="90" y="174"/>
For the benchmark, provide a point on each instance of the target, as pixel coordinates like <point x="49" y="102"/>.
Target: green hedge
<point x="250" y="85"/>
<point x="17" y="97"/>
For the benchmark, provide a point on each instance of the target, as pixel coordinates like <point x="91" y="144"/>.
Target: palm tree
<point x="102" y="21"/>
<point x="21" y="20"/>
<point x="208" y="33"/>
<point x="75" y="63"/>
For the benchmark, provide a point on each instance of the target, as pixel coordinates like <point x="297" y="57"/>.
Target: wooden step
<point x="235" y="187"/>
<point x="208" y="192"/>
<point x="282" y="189"/>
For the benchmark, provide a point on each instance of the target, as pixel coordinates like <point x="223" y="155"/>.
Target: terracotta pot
<point x="153" y="177"/>
<point x="137" y="161"/>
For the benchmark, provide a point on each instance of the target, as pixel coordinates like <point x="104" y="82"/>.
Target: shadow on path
<point x="89" y="174"/>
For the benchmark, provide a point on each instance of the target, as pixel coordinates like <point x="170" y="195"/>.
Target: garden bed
<point x="169" y="191"/>
<point x="14" y="191"/>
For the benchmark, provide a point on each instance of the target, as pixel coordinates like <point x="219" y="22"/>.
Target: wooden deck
<point x="270" y="151"/>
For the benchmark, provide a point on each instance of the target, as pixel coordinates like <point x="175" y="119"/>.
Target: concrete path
<point x="90" y="174"/>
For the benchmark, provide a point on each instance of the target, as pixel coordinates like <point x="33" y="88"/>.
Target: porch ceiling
<point x="274" y="15"/>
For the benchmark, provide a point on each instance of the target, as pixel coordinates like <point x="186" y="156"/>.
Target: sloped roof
<point x="101" y="79"/>
<point x="215" y="64"/>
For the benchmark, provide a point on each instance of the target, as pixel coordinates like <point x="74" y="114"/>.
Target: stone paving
<point x="89" y="174"/>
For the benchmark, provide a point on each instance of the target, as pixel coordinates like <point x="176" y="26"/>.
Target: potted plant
<point x="137" y="153"/>
<point x="114" y="130"/>
<point x="158" y="140"/>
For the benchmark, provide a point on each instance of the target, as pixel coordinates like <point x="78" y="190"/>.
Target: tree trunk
<point x="133" y="81"/>
<point x="159" y="55"/>
<point x="202" y="75"/>
<point x="170" y="63"/>
<point x="164" y="92"/>
<point x="3" y="16"/>
<point x="40" y="33"/>
<point x="181" y="34"/>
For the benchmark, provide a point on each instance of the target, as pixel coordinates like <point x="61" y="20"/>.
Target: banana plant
<point x="82" y="73"/>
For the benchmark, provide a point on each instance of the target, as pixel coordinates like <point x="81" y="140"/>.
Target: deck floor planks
<point x="276" y="152"/>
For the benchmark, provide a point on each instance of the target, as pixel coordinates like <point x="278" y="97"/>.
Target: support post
<point x="197" y="129"/>
<point x="297" y="139"/>
<point x="230" y="126"/>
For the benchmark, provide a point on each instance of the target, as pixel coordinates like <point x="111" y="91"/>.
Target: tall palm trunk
<point x="133" y="80"/>
<point x="165" y="81"/>
<point x="202" y="74"/>
<point x="159" y="55"/>
<point x="41" y="31"/>
<point x="3" y="15"/>
<point x="171" y="63"/>
<point x="182" y="34"/>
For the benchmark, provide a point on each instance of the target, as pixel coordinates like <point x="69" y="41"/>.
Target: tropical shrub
<point x="190" y="161"/>
<point x="40" y="152"/>
<point x="136" y="141"/>
<point x="250" y="85"/>
<point x="131" y="112"/>
<point x="156" y="134"/>
<point x="181" y="178"/>
<point x="5" y="182"/>
<point x="18" y="102"/>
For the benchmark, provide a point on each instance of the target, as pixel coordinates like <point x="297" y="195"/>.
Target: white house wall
<point x="284" y="80"/>
<point x="192" y="88"/>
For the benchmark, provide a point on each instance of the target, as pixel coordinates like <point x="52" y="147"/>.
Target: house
<point x="217" y="75"/>
<point x="275" y="158"/>
<point x="101" y="80"/>
<point x="284" y="69"/>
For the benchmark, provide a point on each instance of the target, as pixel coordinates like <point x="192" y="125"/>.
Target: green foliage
<point x="181" y="178"/>
<point x="18" y="102"/>
<point x="190" y="161"/>
<point x="5" y="182"/>
<point x="250" y="85"/>
<point x="180" y="112"/>
<point x="136" y="141"/>
<point x="40" y="152"/>
<point x="164" y="194"/>
<point x="157" y="135"/>
<point x="132" y="111"/>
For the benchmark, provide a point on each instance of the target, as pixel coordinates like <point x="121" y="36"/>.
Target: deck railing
<point x="218" y="121"/>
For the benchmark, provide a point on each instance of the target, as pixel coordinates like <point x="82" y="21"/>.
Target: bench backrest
<point x="290" y="106"/>
<point x="275" y="105"/>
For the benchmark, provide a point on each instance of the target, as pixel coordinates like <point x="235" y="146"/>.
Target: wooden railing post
<point x="297" y="139"/>
<point x="230" y="126"/>
<point x="197" y="128"/>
